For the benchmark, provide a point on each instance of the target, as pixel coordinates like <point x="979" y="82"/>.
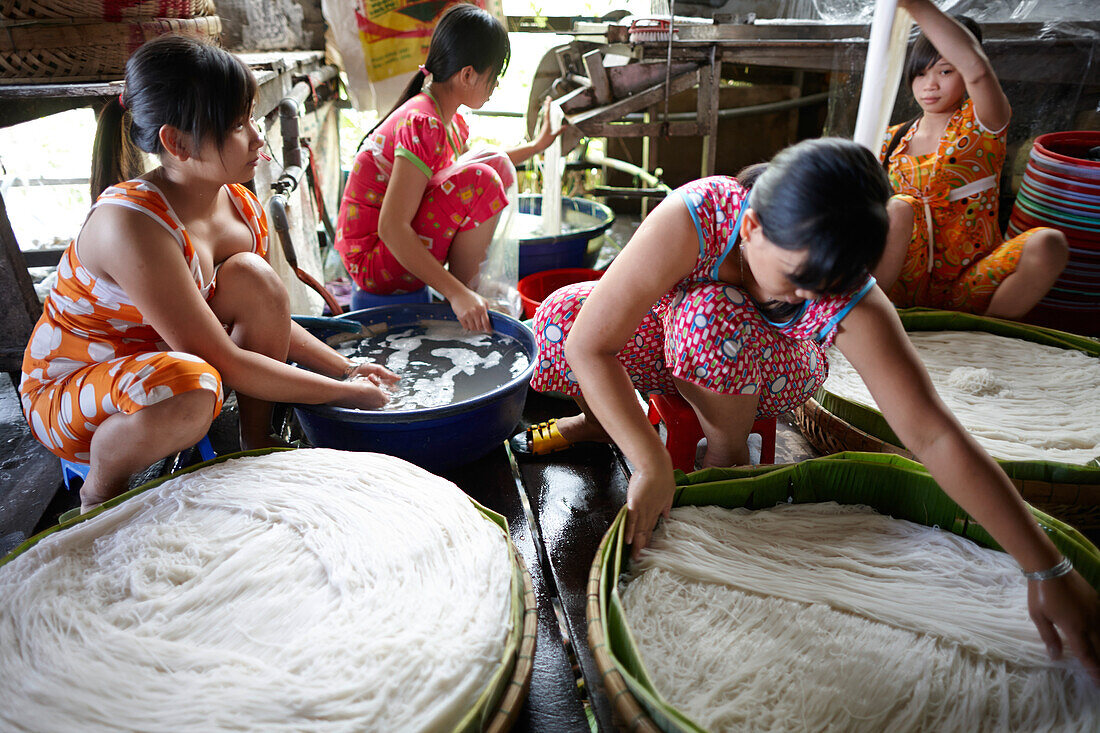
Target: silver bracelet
<point x="1065" y="567"/>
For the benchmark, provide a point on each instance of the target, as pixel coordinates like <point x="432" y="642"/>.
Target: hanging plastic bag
<point x="498" y="274"/>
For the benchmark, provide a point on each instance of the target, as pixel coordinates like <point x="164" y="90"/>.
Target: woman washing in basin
<point x="416" y="199"/>
<point x="165" y="297"/>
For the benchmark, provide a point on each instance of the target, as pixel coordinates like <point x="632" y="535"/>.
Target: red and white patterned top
<point x="716" y="205"/>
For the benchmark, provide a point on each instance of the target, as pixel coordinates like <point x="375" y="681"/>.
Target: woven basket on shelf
<point x="85" y="51"/>
<point x="499" y="704"/>
<point x="109" y="10"/>
<point x="888" y="483"/>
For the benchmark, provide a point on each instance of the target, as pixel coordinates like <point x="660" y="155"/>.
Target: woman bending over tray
<point x="165" y="296"/>
<point x="729" y="293"/>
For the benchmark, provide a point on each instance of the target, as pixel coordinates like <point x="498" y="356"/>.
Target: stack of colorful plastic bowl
<point x="1061" y="189"/>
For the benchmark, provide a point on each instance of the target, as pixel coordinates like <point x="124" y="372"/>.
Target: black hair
<point x="747" y="176"/>
<point x="175" y="80"/>
<point x="923" y="54"/>
<point x="827" y="196"/>
<point x="465" y="36"/>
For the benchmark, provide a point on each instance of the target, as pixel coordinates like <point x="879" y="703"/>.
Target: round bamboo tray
<point x="890" y="484"/>
<point x="108" y="10"/>
<point x="85" y="51"/>
<point x="1073" y="502"/>
<point x="832" y="423"/>
<point x="499" y="704"/>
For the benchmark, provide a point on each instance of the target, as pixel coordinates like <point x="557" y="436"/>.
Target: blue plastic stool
<point x="361" y="299"/>
<point x="71" y="470"/>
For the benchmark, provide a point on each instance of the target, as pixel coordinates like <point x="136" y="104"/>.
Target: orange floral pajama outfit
<point x="957" y="256"/>
<point x="92" y="354"/>
<point x="463" y="192"/>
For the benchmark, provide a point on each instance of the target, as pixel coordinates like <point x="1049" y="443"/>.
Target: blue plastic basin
<point x="361" y="299"/>
<point x="561" y="250"/>
<point x="435" y="438"/>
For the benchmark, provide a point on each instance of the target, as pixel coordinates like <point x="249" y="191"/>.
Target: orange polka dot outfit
<point x="706" y="331"/>
<point x="92" y="355"/>
<point x="462" y="192"/>
<point x="957" y="256"/>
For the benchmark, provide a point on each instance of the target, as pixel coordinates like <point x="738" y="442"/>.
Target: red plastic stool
<point x="684" y="432"/>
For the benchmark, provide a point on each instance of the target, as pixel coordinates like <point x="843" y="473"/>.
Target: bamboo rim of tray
<point x="500" y="701"/>
<point x="912" y="495"/>
<point x="511" y="702"/>
<point x="104" y="10"/>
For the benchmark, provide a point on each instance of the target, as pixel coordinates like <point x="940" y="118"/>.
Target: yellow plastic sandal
<point x="540" y="439"/>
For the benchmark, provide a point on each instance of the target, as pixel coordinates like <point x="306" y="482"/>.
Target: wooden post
<point x="649" y="151"/>
<point x="21" y="307"/>
<point x="710" y="78"/>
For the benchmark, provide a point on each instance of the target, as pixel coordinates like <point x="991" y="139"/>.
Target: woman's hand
<point x="472" y="310"/>
<point x="545" y="134"/>
<point x="648" y="497"/>
<point x="373" y="372"/>
<point x="1067" y="609"/>
<point x="363" y="393"/>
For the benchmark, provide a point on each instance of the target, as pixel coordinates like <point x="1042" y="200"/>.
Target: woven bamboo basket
<point x="108" y="10"/>
<point x="85" y="51"/>
<point x="890" y="484"/>
<point x="832" y="423"/>
<point x="499" y="704"/>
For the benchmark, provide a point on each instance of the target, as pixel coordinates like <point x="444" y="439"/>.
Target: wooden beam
<point x="642" y="129"/>
<point x="593" y="66"/>
<point x="641" y="100"/>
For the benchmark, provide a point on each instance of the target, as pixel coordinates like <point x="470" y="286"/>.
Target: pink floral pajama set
<point x="463" y="192"/>
<point x="705" y="331"/>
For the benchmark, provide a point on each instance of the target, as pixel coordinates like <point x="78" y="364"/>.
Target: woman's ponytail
<point x="114" y="156"/>
<point x="180" y="81"/>
<point x="465" y="36"/>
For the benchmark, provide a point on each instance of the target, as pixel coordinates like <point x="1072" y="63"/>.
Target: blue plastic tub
<point x="562" y="250"/>
<point x="435" y="438"/>
<point x="361" y="299"/>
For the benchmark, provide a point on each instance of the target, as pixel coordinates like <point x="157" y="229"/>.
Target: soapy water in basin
<point x="440" y="362"/>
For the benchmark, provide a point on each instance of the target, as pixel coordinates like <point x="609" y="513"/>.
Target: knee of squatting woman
<point x="165" y="296"/>
<point x="416" y="198"/>
<point x="729" y="293"/>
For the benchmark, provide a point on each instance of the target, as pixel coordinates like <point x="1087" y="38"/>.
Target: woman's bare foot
<point x="265" y="441"/>
<point x="578" y="429"/>
<point x="90" y="499"/>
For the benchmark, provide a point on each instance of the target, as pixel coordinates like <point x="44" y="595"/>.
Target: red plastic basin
<point x="534" y="288"/>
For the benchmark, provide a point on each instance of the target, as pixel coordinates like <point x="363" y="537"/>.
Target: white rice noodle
<point x="311" y="590"/>
<point x="830" y="617"/>
<point x="1020" y="400"/>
